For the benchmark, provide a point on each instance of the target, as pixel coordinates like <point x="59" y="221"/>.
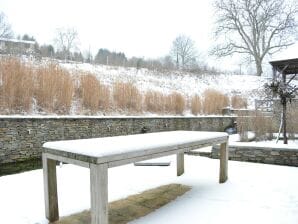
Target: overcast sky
<point x="143" y="28"/>
<point x="136" y="27"/>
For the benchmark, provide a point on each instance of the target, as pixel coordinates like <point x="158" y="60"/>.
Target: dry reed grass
<point x="127" y="97"/>
<point x="214" y="101"/>
<point x="238" y="102"/>
<point x="54" y="89"/>
<point x="16" y="86"/>
<point x="105" y="97"/>
<point x="154" y="102"/>
<point x="174" y="103"/>
<point x="196" y="105"/>
<point x="157" y="102"/>
<point x="94" y="95"/>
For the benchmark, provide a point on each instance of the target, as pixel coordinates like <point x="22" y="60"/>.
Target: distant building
<point x="17" y="47"/>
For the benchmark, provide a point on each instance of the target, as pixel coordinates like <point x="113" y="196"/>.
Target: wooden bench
<point x="99" y="154"/>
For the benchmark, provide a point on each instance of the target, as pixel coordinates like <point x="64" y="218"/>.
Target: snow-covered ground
<point x="167" y="82"/>
<point x="254" y="193"/>
<point x="235" y="141"/>
<point x="292" y="144"/>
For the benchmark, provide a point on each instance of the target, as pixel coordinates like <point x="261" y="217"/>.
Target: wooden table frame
<point x="99" y="172"/>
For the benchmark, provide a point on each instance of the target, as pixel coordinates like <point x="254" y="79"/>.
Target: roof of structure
<point x="17" y="41"/>
<point x="286" y="67"/>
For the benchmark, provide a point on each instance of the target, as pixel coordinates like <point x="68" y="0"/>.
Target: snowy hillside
<point x="47" y="86"/>
<point x="166" y="82"/>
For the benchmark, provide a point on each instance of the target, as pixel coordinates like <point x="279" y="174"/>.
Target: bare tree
<point x="167" y="62"/>
<point x="66" y="41"/>
<point x="5" y="28"/>
<point x="183" y="52"/>
<point x="254" y="28"/>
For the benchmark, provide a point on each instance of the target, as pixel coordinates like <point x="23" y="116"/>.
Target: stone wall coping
<point x="107" y="117"/>
<point x="258" y="145"/>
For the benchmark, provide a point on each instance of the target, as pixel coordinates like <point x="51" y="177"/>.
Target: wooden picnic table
<point x="99" y="154"/>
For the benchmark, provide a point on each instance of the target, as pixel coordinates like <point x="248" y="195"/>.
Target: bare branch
<point x="66" y="40"/>
<point x="262" y="27"/>
<point x="183" y="51"/>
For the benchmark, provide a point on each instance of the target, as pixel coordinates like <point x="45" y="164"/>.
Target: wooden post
<point x="284" y="111"/>
<point x="224" y="157"/>
<point x="50" y="188"/>
<point x="99" y="193"/>
<point x="180" y="163"/>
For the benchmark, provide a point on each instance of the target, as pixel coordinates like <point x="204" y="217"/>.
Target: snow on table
<point x="130" y="145"/>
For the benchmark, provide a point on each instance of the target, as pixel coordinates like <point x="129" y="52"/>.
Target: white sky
<point x="135" y="27"/>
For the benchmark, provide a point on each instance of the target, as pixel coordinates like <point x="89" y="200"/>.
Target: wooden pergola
<point x="286" y="91"/>
<point x="285" y="67"/>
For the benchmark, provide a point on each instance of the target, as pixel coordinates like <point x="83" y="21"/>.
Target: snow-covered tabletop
<point x="112" y="148"/>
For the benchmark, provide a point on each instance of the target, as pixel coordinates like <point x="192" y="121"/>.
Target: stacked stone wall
<point x="21" y="138"/>
<point x="266" y="154"/>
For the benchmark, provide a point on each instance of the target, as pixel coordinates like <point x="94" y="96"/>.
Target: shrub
<point x="214" y="101"/>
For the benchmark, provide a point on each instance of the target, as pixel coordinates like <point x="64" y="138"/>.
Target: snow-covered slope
<point x="166" y="82"/>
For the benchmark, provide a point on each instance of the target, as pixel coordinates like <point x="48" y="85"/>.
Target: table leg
<point x="99" y="193"/>
<point x="180" y="163"/>
<point x="224" y="157"/>
<point x="50" y="188"/>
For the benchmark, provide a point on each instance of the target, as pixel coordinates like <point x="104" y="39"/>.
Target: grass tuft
<point x="16" y="86"/>
<point x="127" y="97"/>
<point x="94" y="95"/>
<point x="154" y="102"/>
<point x="238" y="102"/>
<point x="214" y="101"/>
<point x="54" y="89"/>
<point x="196" y="105"/>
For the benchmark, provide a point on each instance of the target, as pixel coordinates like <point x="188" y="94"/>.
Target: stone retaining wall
<point x="268" y="155"/>
<point x="21" y="138"/>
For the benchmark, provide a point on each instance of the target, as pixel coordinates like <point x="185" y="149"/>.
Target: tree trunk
<point x="259" y="67"/>
<point x="284" y="110"/>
